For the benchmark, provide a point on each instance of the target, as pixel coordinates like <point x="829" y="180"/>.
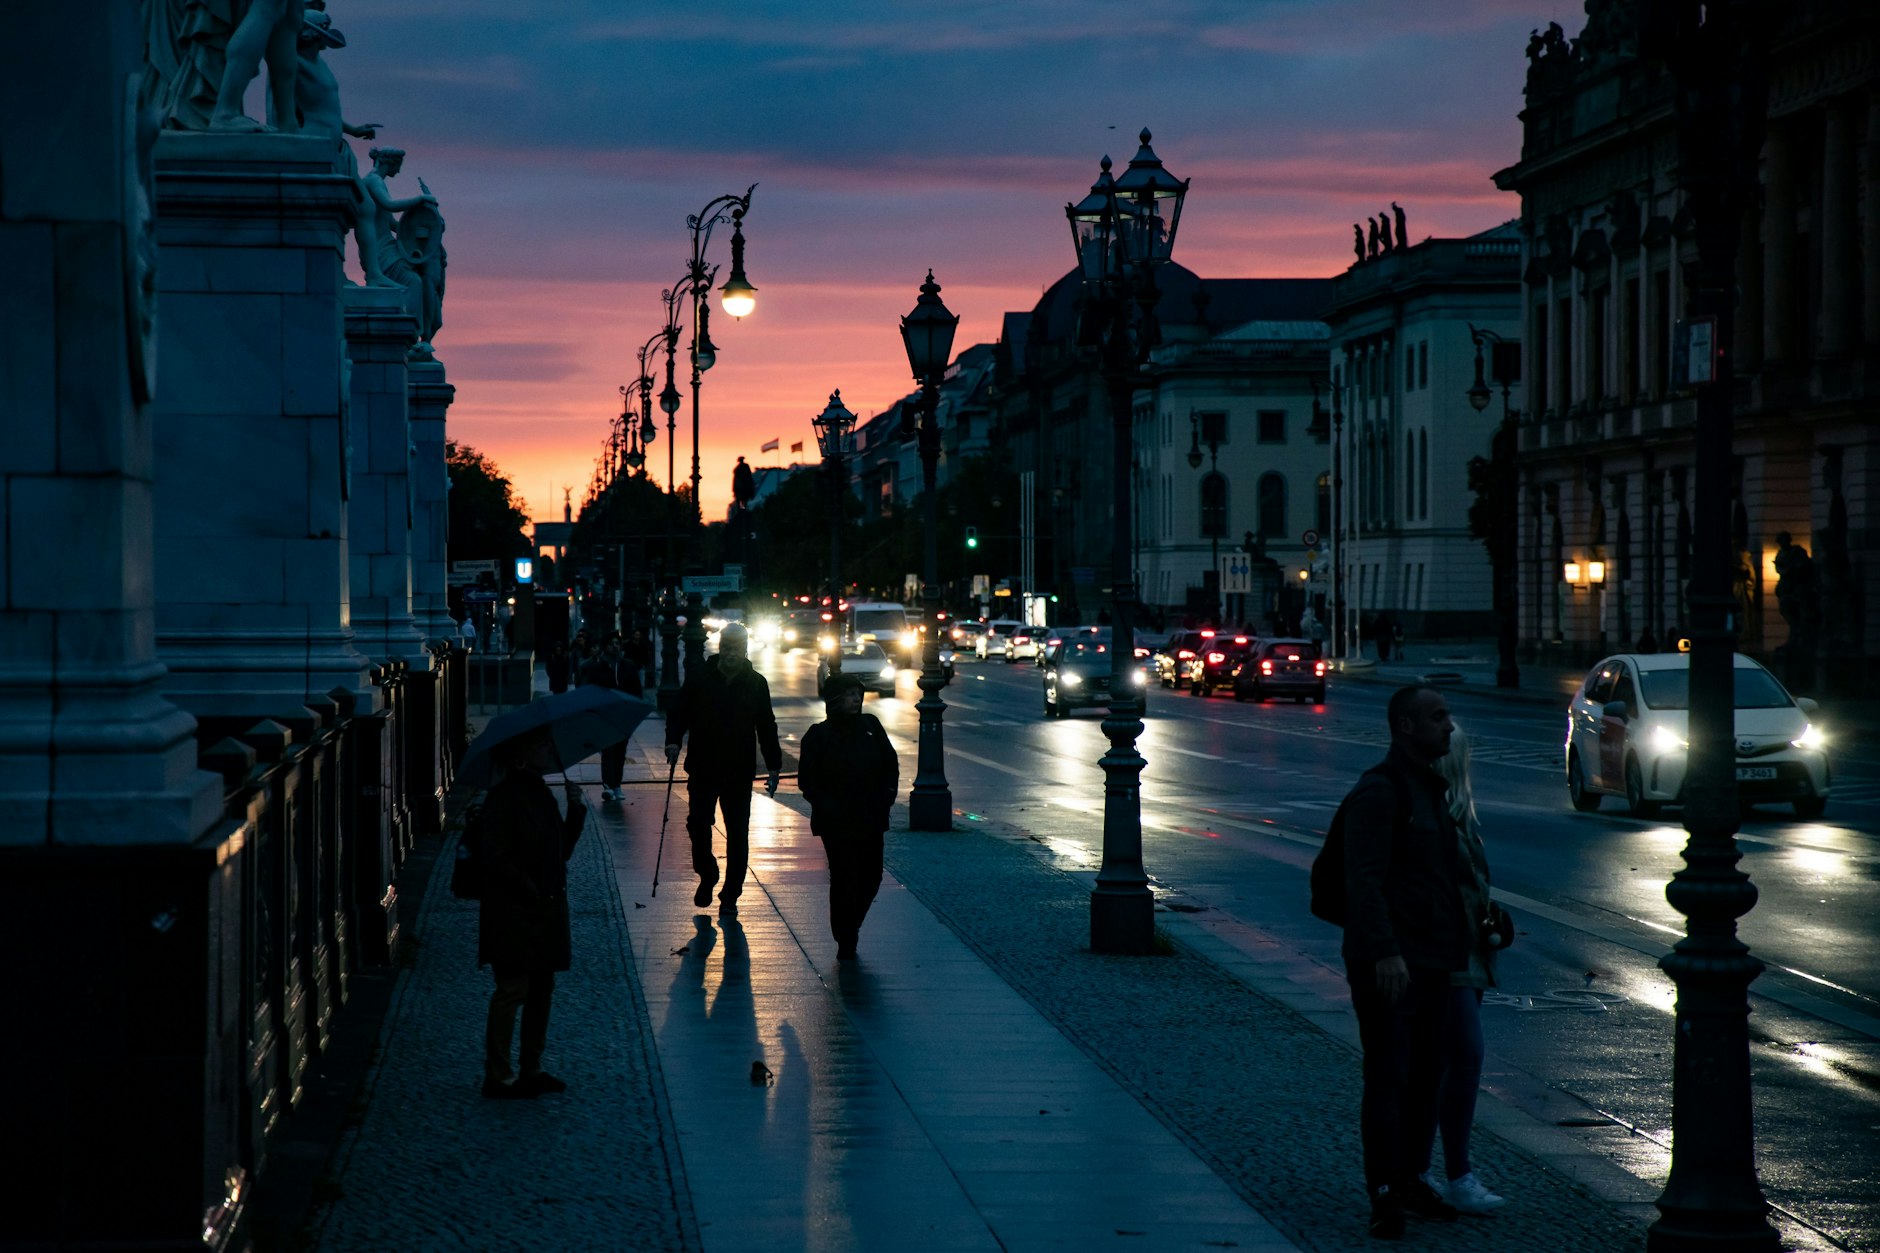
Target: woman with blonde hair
<point x="1463" y="1071"/>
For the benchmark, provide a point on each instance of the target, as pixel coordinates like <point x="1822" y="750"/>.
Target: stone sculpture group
<point x="200" y="58"/>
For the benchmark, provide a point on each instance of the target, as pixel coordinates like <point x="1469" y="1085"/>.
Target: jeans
<point x="1404" y="1047"/>
<point x="707" y="796"/>
<point x="854" y="879"/>
<point x="530" y="991"/>
<point x="1462" y="1078"/>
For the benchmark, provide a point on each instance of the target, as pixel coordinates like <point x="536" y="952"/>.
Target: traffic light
<point x="972" y="537"/>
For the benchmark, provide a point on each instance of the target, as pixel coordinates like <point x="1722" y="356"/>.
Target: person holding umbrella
<point x="725" y="708"/>
<point x="522" y="931"/>
<point x="849" y="772"/>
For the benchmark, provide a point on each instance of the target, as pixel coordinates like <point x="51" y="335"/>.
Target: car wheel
<point x="1195" y="688"/>
<point x="1810" y="807"/>
<point x="1635" y="791"/>
<point x="1584" y="798"/>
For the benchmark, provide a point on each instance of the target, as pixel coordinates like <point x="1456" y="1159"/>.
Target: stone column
<point x="251" y="451"/>
<point x="380" y="509"/>
<point x="430" y="398"/>
<point x="1836" y="325"/>
<point x="1778" y="248"/>
<point x="117" y="870"/>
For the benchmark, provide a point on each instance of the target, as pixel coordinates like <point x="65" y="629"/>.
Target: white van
<point x="885" y="622"/>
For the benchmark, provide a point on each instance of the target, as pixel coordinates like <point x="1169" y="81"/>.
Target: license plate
<point x="1755" y="772"/>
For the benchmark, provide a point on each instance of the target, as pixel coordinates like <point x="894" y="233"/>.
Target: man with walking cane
<point x="725" y="708"/>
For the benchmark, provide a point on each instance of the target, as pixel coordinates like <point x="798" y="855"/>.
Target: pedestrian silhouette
<point x="848" y="772"/>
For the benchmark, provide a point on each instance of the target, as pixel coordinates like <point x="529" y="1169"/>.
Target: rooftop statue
<point x="1403" y="236"/>
<point x="1357" y="240"/>
<point x="203" y="54"/>
<point x="316" y="96"/>
<point x="407" y="237"/>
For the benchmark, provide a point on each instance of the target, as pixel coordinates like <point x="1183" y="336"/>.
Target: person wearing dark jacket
<point x="849" y="772"/>
<point x="613" y="669"/>
<point x="522" y="927"/>
<point x="725" y="709"/>
<point x="1406" y="933"/>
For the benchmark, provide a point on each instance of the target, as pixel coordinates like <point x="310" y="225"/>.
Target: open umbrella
<point x="580" y="723"/>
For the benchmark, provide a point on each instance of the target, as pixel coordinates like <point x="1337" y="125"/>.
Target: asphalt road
<point x="1235" y="801"/>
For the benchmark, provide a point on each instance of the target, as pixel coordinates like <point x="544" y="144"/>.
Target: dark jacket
<point x="525" y="850"/>
<point x="849" y="773"/>
<point x="728" y="720"/>
<point x="1403" y="887"/>
<point x="621" y="676"/>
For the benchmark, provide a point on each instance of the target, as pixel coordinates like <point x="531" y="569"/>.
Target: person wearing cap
<point x="849" y="772"/>
<point x="612" y="670"/>
<point x="725" y="709"/>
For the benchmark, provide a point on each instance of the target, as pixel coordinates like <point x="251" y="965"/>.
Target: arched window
<point x="1214" y="505"/>
<point x="1272" y="506"/>
<point x="1324" y="526"/>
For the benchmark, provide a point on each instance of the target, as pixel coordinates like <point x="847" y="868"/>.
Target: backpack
<point x="1328" y="868"/>
<point x="466" y="876"/>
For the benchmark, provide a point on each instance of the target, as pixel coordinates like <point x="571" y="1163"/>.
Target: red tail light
<point x="1142" y="652"/>
<point x="1240" y="639"/>
<point x="1318" y="668"/>
<point x="1266" y="667"/>
<point x="1215" y="659"/>
<point x="1184" y="655"/>
<point x="1207" y="635"/>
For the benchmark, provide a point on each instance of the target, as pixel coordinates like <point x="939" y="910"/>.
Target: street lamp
<point x="738" y="298"/>
<point x="833" y="427"/>
<point x="1213" y="506"/>
<point x="1121" y="232"/>
<point x="1336" y="538"/>
<point x="1503" y="497"/>
<point x="1716" y="52"/>
<point x="927" y="333"/>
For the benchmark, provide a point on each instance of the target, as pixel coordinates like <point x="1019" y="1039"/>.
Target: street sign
<point x="734" y="569"/>
<point x="1694" y="351"/>
<point x="982" y="584"/>
<point x="454" y="578"/>
<point x="1236" y="572"/>
<point x="485" y="566"/>
<point x="1310" y="539"/>
<point x="706" y="584"/>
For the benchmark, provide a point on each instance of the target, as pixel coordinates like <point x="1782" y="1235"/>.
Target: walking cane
<point x="672" y="769"/>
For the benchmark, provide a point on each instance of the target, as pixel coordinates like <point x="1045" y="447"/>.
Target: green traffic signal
<point x="972" y="537"/>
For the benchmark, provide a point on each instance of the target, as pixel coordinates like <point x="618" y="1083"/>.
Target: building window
<point x="1596" y="350"/>
<point x="1272" y="506"/>
<point x="1423" y="364"/>
<point x="1661" y="332"/>
<point x="1272" y="426"/>
<point x="1409" y="476"/>
<point x="1628" y="342"/>
<point x="1214" y="505"/>
<point x="1538" y="398"/>
<point x="1212" y="427"/>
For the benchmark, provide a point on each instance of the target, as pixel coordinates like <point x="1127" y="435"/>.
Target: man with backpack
<point x="1406" y="931"/>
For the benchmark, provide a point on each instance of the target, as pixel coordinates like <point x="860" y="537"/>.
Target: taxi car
<point x="1077" y="672"/>
<point x="1216" y="661"/>
<point x="1281" y="667"/>
<point x="1628" y="735"/>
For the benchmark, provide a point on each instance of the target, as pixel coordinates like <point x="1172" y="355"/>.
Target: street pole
<point x="928" y="335"/>
<point x="1504" y="497"/>
<point x="1716" y="51"/>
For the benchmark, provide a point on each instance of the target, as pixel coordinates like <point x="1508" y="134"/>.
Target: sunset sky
<point x="567" y="140"/>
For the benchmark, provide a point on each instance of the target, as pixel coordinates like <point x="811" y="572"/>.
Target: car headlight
<point x="1811" y="739"/>
<point x="1070" y="680"/>
<point x="887" y="672"/>
<point x="827" y="643"/>
<point x="790" y="635"/>
<point x="908" y="639"/>
<point x="1139" y="678"/>
<point x="1665" y="740"/>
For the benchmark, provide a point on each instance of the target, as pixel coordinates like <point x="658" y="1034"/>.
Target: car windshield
<point x="1085" y="648"/>
<point x="1671" y="689"/>
<point x="865" y="650"/>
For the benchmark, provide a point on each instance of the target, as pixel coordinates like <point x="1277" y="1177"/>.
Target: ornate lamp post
<point x="738" y="299"/>
<point x="669" y="588"/>
<point x="1716" y="52"/>
<point x="834" y="426"/>
<point x="1503" y="497"/>
<point x="1122" y="231"/>
<point x="1215" y="525"/>
<point x="928" y="335"/>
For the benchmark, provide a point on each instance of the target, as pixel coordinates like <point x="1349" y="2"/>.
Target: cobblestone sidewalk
<point x="435" y="1166"/>
<point x="1265" y="1096"/>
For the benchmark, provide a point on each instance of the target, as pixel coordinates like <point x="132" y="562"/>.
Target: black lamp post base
<point x="1708" y="1230"/>
<point x="930" y="810"/>
<point x="1122" y="920"/>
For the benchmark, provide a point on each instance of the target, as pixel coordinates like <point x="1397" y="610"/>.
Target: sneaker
<point x="1386" y="1215"/>
<point x="1419" y="1198"/>
<point x="497" y="1090"/>
<point x="703" y="897"/>
<point x="610" y="793"/>
<point x="539" y="1082"/>
<point x="1468" y="1195"/>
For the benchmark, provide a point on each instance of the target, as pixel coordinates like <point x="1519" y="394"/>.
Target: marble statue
<point x="1371" y="245"/>
<point x="316" y="97"/>
<point x="202" y="54"/>
<point x="1403" y="237"/>
<point x="406" y="238"/>
<point x="1357" y="240"/>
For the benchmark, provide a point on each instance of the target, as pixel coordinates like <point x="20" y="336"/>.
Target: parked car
<point x="1281" y="667"/>
<point x="1628" y="734"/>
<point x="1026" y="643"/>
<point x="992" y="640"/>
<point x="1172" y="659"/>
<point x="866" y="658"/>
<point x="1077" y="672"/>
<point x="1215" y="662"/>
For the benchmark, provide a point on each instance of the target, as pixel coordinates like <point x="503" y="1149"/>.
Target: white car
<point x="995" y="638"/>
<point x="1628" y="735"/>
<point x="1026" y="644"/>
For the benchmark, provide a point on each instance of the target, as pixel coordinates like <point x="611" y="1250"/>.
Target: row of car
<point x="1252" y="667"/>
